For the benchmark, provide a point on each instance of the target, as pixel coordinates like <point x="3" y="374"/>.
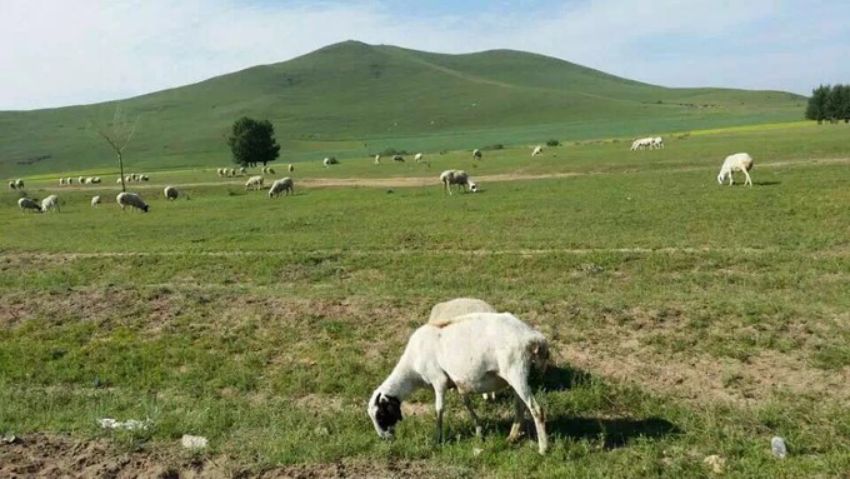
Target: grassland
<point x="688" y="319"/>
<point x="351" y="99"/>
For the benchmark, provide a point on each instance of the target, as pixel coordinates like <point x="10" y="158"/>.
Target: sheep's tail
<point x="538" y="351"/>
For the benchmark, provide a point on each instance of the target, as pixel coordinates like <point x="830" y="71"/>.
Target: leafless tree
<point x="118" y="134"/>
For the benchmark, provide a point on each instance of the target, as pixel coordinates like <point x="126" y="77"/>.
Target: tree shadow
<point x="614" y="432"/>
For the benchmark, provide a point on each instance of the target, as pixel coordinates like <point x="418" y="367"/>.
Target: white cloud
<point x="58" y="52"/>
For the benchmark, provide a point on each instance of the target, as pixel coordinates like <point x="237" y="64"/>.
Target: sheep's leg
<point x="731" y="178"/>
<point x="518" y="379"/>
<point x="748" y="180"/>
<point x="519" y="417"/>
<point x="440" y="388"/>
<point x="468" y="403"/>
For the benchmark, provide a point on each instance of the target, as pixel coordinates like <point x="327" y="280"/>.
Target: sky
<point x="60" y="52"/>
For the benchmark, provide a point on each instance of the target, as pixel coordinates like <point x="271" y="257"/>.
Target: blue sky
<point x="58" y="52"/>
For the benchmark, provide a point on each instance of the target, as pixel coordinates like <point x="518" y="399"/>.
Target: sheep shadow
<point x="766" y="183"/>
<point x="614" y="432"/>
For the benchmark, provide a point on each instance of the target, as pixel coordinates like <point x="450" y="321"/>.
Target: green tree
<point x="834" y="103"/>
<point x="844" y="108"/>
<point x="816" y="110"/>
<point x="253" y="142"/>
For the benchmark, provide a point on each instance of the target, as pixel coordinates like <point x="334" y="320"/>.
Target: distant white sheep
<point x="254" y="183"/>
<point x="81" y="180"/>
<point x="219" y="171"/>
<point x="61" y="181"/>
<point x="330" y="161"/>
<point x="280" y="186"/>
<point x="95" y="180"/>
<point x="377" y="159"/>
<point x="29" y="204"/>
<point x="450" y="178"/>
<point x="738" y="162"/>
<point x="50" y="203"/>
<point x="536" y="151"/>
<point x="170" y="193"/>
<point x="642" y="144"/>
<point x="476" y="353"/>
<point x="418" y="157"/>
<point x="95" y="201"/>
<point x="19" y="183"/>
<point x="133" y="200"/>
<point x="476" y="154"/>
<point x="290" y="167"/>
<point x="658" y="142"/>
<point x="144" y="177"/>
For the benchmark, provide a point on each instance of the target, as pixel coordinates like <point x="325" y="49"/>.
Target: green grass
<point x="687" y="319"/>
<point x="353" y="99"/>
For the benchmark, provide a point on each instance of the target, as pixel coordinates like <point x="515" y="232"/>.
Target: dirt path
<point x="432" y="180"/>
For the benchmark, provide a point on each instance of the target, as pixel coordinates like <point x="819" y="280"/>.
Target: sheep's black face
<point x="385" y="412"/>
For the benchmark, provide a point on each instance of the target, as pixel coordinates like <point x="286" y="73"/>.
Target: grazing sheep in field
<point x="330" y="161"/>
<point x="476" y="154"/>
<point x="95" y="201"/>
<point x="144" y="178"/>
<point x="218" y="172"/>
<point x="118" y="180"/>
<point x="450" y="178"/>
<point x="398" y="159"/>
<point x="642" y="143"/>
<point x="377" y="159"/>
<point x="61" y="181"/>
<point x="280" y="186"/>
<point x="95" y="180"/>
<point x="133" y="200"/>
<point x="738" y="162"/>
<point x="50" y="203"/>
<point x="290" y="167"/>
<point x="476" y="353"/>
<point x="170" y="193"/>
<point x="87" y="180"/>
<point x="418" y="157"/>
<point x="69" y="180"/>
<point x="19" y="184"/>
<point x="658" y="143"/>
<point x="254" y="183"/>
<point x="81" y="180"/>
<point x="12" y="185"/>
<point x="29" y="204"/>
<point x="536" y="151"/>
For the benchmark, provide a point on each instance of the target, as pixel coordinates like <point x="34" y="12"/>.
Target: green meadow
<point x="687" y="319"/>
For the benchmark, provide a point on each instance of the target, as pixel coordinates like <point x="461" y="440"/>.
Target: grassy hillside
<point x="351" y="99"/>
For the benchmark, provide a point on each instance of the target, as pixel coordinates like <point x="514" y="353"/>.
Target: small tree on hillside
<point x="253" y="142"/>
<point x="843" y="110"/>
<point x="834" y="103"/>
<point x="117" y="135"/>
<point x="816" y="110"/>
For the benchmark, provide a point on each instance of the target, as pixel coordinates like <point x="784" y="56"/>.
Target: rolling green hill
<point x="352" y="99"/>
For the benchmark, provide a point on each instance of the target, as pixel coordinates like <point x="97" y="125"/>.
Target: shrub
<point x="553" y="143"/>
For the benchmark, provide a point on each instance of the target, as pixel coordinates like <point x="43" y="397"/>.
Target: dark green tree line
<point x="829" y="103"/>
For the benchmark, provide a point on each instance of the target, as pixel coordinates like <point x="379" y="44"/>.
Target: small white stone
<point x="193" y="442"/>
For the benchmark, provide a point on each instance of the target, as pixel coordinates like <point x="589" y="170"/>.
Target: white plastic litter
<point x="128" y="425"/>
<point x="193" y="442"/>
<point x="777" y="445"/>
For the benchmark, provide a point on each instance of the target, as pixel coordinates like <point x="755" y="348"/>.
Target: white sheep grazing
<point x="29" y="204"/>
<point x="50" y="203"/>
<point x="131" y="199"/>
<point x="95" y="180"/>
<point x="19" y="183"/>
<point x="290" y="167"/>
<point x="144" y="177"/>
<point x="642" y="143"/>
<point x="536" y="151"/>
<point x="445" y="313"/>
<point x="81" y="180"/>
<point x="218" y="171"/>
<point x="61" y="181"/>
<point x="658" y="142"/>
<point x="330" y="161"/>
<point x="377" y="159"/>
<point x="254" y="183"/>
<point x="95" y="201"/>
<point x="418" y="157"/>
<point x="118" y="180"/>
<point x="476" y="353"/>
<point x="476" y="154"/>
<point x="69" y="180"/>
<point x="450" y="178"/>
<point x="280" y="186"/>
<point x="738" y="162"/>
<point x="170" y="193"/>
<point x="88" y="180"/>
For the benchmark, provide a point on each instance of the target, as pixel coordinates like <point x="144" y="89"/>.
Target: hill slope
<point x="352" y="99"/>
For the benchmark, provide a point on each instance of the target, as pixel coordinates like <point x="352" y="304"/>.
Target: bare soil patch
<point x="52" y="456"/>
